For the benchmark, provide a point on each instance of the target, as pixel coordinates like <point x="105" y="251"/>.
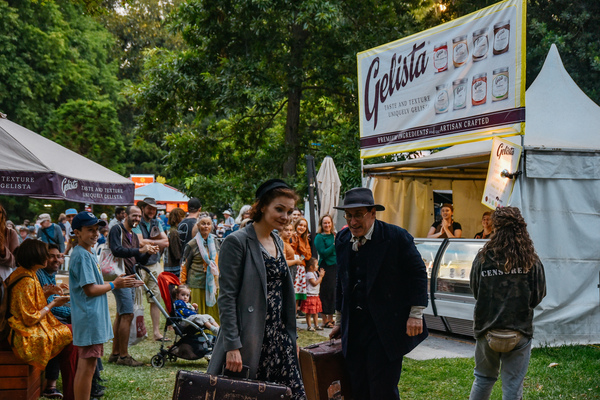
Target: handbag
<point x="111" y="266"/>
<point x="137" y="330"/>
<point x="503" y="340"/>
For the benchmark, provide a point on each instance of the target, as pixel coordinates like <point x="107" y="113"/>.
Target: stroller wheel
<point x="171" y="358"/>
<point x="158" y="361"/>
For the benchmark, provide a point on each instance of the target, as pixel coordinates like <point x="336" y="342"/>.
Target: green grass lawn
<point x="575" y="377"/>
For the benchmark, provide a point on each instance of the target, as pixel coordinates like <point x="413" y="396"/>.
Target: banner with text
<point x="459" y="82"/>
<point x="504" y="160"/>
<point x="50" y="185"/>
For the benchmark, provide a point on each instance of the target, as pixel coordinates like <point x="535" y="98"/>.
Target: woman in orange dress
<point x="36" y="336"/>
<point x="301" y="247"/>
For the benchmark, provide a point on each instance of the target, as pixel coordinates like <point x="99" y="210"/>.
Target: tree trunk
<point x="295" y="79"/>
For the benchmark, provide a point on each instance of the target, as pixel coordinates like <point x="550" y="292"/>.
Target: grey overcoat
<point x="243" y="300"/>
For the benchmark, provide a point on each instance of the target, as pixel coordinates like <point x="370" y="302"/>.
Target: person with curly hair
<point x="508" y="282"/>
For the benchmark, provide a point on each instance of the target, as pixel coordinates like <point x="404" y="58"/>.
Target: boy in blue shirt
<point x="89" y="306"/>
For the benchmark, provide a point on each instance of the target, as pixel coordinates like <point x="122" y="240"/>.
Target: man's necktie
<point x="358" y="243"/>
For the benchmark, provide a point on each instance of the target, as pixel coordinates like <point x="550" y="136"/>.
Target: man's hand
<point x="414" y="326"/>
<point x="233" y="361"/>
<point x="127" y="281"/>
<point x="336" y="332"/>
<point x="52" y="289"/>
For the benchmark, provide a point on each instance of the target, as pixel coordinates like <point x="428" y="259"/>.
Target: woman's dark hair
<point x="256" y="211"/>
<point x="176" y="216"/>
<point x="30" y="253"/>
<point x="510" y="241"/>
<point x="486" y="213"/>
<point x="448" y="205"/>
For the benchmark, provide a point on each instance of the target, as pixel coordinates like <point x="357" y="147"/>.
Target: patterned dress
<point x="35" y="340"/>
<point x="278" y="361"/>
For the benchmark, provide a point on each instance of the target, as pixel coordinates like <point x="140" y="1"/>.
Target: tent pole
<point x="310" y="175"/>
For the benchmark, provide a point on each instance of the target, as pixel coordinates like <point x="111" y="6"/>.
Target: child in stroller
<point x="191" y="342"/>
<point x="190" y="311"/>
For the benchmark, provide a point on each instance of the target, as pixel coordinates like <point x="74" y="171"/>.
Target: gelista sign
<point x="458" y="82"/>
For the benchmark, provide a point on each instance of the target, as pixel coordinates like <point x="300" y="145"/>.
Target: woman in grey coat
<point x="257" y="298"/>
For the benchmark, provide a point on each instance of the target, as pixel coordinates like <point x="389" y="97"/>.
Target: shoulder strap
<point x="48" y="236"/>
<point x="11" y="283"/>
<point x="144" y="230"/>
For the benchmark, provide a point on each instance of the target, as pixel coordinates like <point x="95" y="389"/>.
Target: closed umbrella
<point x="329" y="185"/>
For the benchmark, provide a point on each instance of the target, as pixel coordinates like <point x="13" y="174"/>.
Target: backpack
<point x="5" y="306"/>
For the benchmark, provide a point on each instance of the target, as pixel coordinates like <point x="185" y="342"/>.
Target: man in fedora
<point x="150" y="231"/>
<point x="380" y="298"/>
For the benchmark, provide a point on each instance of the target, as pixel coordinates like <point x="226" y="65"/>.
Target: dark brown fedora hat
<point x="359" y="197"/>
<point x="148" y="201"/>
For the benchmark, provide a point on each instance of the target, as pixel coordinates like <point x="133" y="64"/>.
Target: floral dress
<point x="278" y="362"/>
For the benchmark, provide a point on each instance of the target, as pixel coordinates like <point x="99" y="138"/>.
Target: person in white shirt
<point x="312" y="305"/>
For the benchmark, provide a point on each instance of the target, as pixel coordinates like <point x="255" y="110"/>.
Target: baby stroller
<point x="191" y="342"/>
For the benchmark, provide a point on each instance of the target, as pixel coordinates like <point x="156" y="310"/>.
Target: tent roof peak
<point x="559" y="114"/>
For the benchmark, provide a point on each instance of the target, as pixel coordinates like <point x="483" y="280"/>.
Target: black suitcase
<point x="200" y="386"/>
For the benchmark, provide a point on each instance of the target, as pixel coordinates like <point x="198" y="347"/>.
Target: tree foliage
<point x="89" y="127"/>
<point x="261" y="85"/>
<point x="50" y="53"/>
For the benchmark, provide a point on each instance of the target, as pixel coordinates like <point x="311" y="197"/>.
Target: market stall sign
<point x="141" y="180"/>
<point x="505" y="157"/>
<point x="459" y="82"/>
<point x="52" y="185"/>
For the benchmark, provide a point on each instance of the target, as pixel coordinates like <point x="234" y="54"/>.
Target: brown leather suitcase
<point x="322" y="364"/>
<point x="190" y="385"/>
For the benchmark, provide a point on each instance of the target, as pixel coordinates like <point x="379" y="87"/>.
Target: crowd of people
<point x="248" y="279"/>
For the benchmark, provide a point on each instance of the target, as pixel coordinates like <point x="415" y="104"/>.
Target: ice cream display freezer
<point x="451" y="301"/>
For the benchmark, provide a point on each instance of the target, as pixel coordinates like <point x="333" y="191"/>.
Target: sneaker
<point x="129" y="361"/>
<point x="97" y="392"/>
<point x="52" y="393"/>
<point x="113" y="358"/>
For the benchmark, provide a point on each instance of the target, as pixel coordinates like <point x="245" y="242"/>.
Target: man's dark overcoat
<point x="396" y="281"/>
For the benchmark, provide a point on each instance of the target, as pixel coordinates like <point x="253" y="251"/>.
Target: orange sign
<point x="141" y="180"/>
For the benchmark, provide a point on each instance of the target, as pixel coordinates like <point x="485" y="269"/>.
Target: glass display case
<point x="448" y="263"/>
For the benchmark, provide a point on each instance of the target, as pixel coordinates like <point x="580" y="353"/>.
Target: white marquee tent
<point x="558" y="193"/>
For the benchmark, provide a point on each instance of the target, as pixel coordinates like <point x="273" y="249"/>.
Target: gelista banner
<point x="458" y="82"/>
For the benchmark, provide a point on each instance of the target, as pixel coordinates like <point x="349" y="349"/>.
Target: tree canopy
<point x="261" y="85"/>
<point x="219" y="96"/>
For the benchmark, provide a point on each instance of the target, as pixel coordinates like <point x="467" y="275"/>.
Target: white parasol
<point x="329" y="185"/>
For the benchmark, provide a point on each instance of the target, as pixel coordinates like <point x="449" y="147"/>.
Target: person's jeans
<point x="512" y="366"/>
